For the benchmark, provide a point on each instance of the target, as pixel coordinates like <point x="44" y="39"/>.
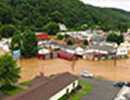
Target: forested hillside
<point x="35" y="15"/>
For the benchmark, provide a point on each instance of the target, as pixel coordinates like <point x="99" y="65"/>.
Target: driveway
<point x="102" y="90"/>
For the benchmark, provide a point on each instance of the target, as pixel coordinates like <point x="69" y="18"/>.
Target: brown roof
<point x="45" y="90"/>
<point x="37" y="80"/>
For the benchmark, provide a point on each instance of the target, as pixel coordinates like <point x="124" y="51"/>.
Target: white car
<point x="120" y="98"/>
<point x="86" y="74"/>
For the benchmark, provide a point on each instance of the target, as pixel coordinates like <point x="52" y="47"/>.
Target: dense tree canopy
<point x="7" y="30"/>
<point x="29" y="44"/>
<point x="26" y="42"/>
<point x="51" y="28"/>
<point x="9" y="71"/>
<point x="36" y="14"/>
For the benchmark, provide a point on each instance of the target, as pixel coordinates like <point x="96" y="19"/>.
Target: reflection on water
<point x="32" y="67"/>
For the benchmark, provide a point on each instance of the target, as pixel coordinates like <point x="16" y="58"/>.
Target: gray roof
<point x="104" y="48"/>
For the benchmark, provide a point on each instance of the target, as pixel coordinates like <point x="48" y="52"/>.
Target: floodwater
<point x="106" y="69"/>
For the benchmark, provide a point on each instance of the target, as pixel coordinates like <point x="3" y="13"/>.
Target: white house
<point x="79" y="51"/>
<point x="122" y="51"/>
<point x="50" y="89"/>
<point x="125" y="44"/>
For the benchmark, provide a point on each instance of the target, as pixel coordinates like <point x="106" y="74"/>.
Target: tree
<point x="60" y="37"/>
<point x="7" y="30"/>
<point x="9" y="71"/>
<point x="114" y="37"/>
<point x="29" y="44"/>
<point x="16" y="41"/>
<point x="56" y="16"/>
<point x="51" y="28"/>
<point x="123" y="27"/>
<point x="84" y="27"/>
<point x="120" y="38"/>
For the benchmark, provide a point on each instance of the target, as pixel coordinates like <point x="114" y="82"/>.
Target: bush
<point x="60" y="37"/>
<point x="51" y="28"/>
<point x="7" y="31"/>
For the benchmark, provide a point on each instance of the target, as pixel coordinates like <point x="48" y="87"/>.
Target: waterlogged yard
<point x="85" y="88"/>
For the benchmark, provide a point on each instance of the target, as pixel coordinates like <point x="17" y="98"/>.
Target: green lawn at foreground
<point x="26" y="83"/>
<point x="13" y="90"/>
<point x="78" y="94"/>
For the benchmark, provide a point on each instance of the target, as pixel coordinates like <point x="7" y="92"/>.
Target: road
<point x="102" y="90"/>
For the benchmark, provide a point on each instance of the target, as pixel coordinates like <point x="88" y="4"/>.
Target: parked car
<point x="120" y="84"/>
<point x="128" y="84"/>
<point x="86" y="74"/>
<point x="120" y="98"/>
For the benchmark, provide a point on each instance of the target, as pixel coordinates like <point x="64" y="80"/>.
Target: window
<point x="67" y="91"/>
<point x="74" y="85"/>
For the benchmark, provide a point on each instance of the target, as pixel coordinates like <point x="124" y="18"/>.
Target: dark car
<point x="120" y="84"/>
<point x="128" y="84"/>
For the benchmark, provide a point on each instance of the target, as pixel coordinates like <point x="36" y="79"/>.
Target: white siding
<point x="64" y="91"/>
<point x="122" y="51"/>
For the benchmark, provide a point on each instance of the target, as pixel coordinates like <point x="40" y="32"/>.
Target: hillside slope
<point x="35" y="14"/>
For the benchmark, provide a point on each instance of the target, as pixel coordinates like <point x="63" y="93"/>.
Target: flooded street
<point x="106" y="69"/>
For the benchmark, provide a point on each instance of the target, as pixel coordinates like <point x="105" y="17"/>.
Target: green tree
<point x="60" y="37"/>
<point x="29" y="44"/>
<point x="7" y="30"/>
<point x="114" y="37"/>
<point x="51" y="28"/>
<point x="84" y="27"/>
<point x="9" y="71"/>
<point x="56" y="16"/>
<point x="16" y="41"/>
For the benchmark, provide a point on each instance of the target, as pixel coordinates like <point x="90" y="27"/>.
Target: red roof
<point x="65" y="55"/>
<point x="42" y="36"/>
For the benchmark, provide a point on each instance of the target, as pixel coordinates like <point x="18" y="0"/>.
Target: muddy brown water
<point x="106" y="69"/>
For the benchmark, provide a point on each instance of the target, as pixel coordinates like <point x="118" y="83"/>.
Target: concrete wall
<point x="64" y="91"/>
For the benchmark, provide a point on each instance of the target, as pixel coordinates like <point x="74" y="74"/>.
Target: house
<point x="66" y="55"/>
<point x="125" y="44"/>
<point x="44" y="53"/>
<point x="99" y="51"/>
<point x="122" y="51"/>
<point x="79" y="51"/>
<point x="50" y="89"/>
<point x="62" y="27"/>
<point x="42" y="36"/>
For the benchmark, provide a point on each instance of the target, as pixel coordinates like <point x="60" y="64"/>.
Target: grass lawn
<point x="13" y="90"/>
<point x="77" y="95"/>
<point x="26" y="83"/>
